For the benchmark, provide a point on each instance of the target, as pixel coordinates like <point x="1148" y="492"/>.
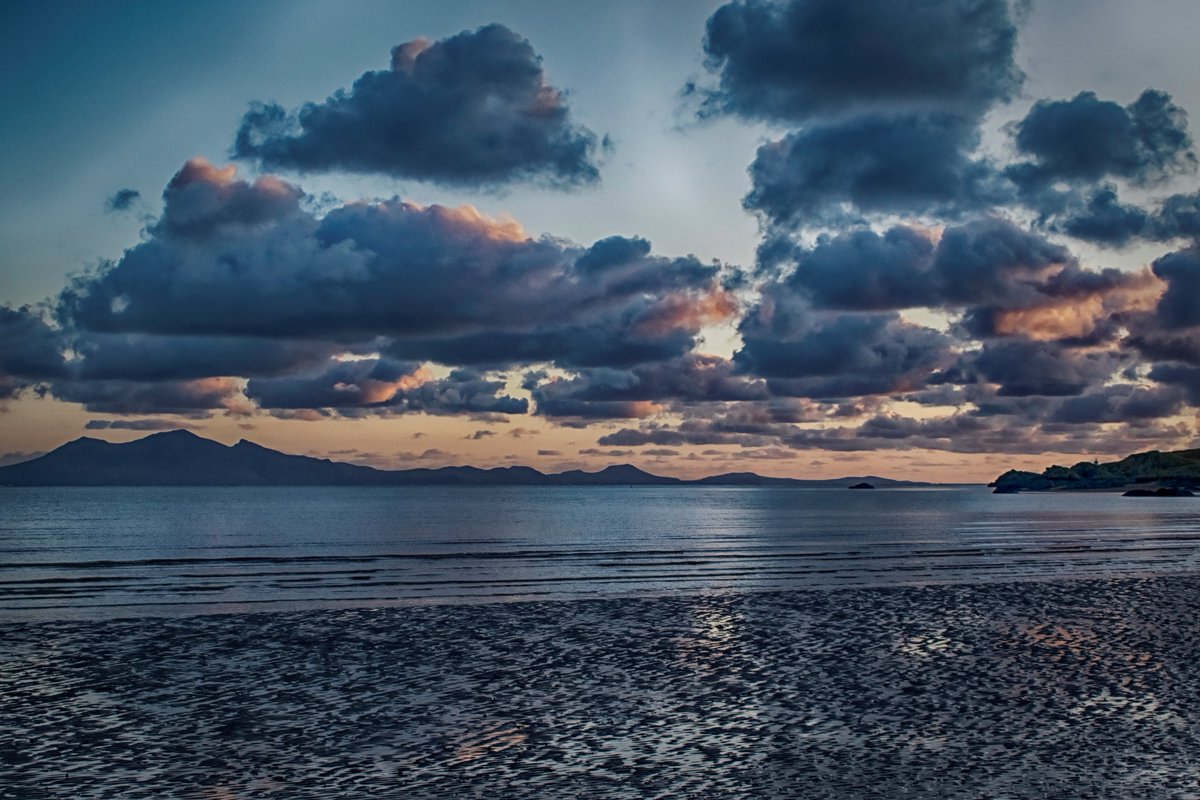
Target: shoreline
<point x="271" y="607"/>
<point x="1071" y="688"/>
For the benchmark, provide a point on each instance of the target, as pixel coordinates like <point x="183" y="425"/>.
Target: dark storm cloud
<point x="634" y="392"/>
<point x="913" y="164"/>
<point x="471" y="109"/>
<point x="987" y="261"/>
<point x="1024" y="367"/>
<point x="123" y="356"/>
<point x="805" y="353"/>
<point x="864" y="271"/>
<point x="30" y="351"/>
<point x="1088" y="139"/>
<point x="1077" y="143"/>
<point x="1178" y="218"/>
<point x="383" y="386"/>
<point x="792" y="60"/>
<point x="1119" y="403"/>
<point x="1105" y="220"/>
<point x="977" y="262"/>
<point x="228" y="260"/>
<point x="122" y="199"/>
<point x="1179" y="306"/>
<point x="29" y="347"/>
<point x="644" y="329"/>
<point x="197" y="398"/>
<point x="1149" y="339"/>
<point x="1170" y="332"/>
<point x="1185" y="377"/>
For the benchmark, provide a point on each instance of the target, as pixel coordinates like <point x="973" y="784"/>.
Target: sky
<point x="800" y="237"/>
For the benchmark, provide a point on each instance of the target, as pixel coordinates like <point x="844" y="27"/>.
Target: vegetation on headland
<point x="1145" y="471"/>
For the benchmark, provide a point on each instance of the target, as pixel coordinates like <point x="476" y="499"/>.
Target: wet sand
<point x="1065" y="689"/>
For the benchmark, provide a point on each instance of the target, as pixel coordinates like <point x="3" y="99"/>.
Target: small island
<point x="1164" y="491"/>
<point x="1149" y="474"/>
<point x="863" y="485"/>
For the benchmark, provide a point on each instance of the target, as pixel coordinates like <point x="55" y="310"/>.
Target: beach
<point x="1069" y="688"/>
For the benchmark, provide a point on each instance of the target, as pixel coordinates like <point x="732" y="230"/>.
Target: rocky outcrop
<point x="1149" y="471"/>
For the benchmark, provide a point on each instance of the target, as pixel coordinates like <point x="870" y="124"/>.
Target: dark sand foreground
<point x="1068" y="689"/>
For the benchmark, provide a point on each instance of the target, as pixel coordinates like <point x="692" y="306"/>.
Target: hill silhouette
<point x="181" y="458"/>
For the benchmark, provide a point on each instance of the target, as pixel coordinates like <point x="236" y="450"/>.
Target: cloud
<point x="985" y="261"/>
<point x="151" y="357"/>
<point x="29" y="347"/>
<point x="806" y="353"/>
<point x="17" y="456"/>
<point x="122" y="200"/>
<point x="644" y="328"/>
<point x="31" y="350"/>
<point x="384" y="387"/>
<point x="1178" y="217"/>
<point x="196" y="397"/>
<point x="1103" y="219"/>
<point x="134" y="424"/>
<point x="1180" y="304"/>
<point x="203" y="199"/>
<point x="911" y="163"/>
<point x="1168" y="334"/>
<point x="1024" y="367"/>
<point x="1088" y="139"/>
<point x="235" y="259"/>
<point x="793" y="60"/>
<point x="1120" y="403"/>
<point x="1185" y="377"/>
<point x="644" y="389"/>
<point x="472" y="109"/>
<point x="963" y="432"/>
<point x="432" y="454"/>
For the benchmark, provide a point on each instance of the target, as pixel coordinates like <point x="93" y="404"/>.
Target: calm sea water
<point x="109" y="552"/>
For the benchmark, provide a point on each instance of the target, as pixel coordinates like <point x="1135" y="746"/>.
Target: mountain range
<point x="181" y="458"/>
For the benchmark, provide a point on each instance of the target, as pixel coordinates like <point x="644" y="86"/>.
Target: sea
<point x="104" y="553"/>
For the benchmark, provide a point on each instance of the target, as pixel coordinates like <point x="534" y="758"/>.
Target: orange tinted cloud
<point x="1079" y="316"/>
<point x="688" y="312"/>
<point x="468" y="218"/>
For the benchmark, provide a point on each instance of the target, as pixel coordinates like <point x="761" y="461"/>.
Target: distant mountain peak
<point x="613" y="469"/>
<point x="181" y="434"/>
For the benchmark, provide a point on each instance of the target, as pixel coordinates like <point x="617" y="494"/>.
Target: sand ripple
<point x="1065" y="689"/>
